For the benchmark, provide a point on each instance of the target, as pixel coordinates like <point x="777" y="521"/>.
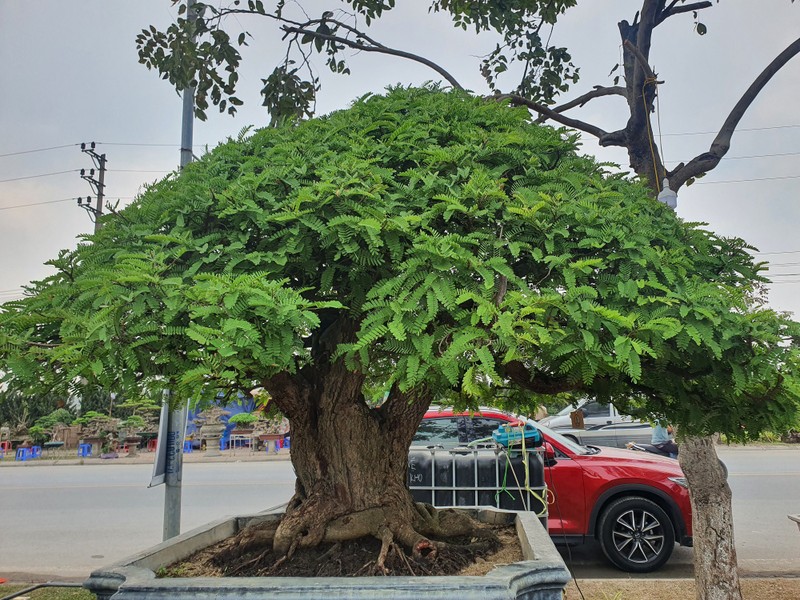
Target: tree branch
<point x="597" y="92"/>
<point x="41" y="345"/>
<point x="374" y="47"/>
<point x="536" y="382"/>
<point x="672" y="9"/>
<point x="552" y="114"/>
<point x="722" y="142"/>
<point x="641" y="59"/>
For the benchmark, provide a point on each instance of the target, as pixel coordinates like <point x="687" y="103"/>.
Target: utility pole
<point x="98" y="185"/>
<point x="187" y="119"/>
<point x="173" y="426"/>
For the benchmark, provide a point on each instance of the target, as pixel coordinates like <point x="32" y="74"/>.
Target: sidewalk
<point x="145" y="457"/>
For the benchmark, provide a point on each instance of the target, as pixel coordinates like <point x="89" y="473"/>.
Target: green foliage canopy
<point x="470" y="251"/>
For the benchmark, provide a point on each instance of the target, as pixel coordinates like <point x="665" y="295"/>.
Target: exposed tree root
<point x="417" y="541"/>
<point x="387" y="539"/>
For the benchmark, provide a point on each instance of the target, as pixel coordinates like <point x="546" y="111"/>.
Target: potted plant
<point x="272" y="425"/>
<point x="131" y="426"/>
<point x="42" y="430"/>
<point x="142" y="418"/>
<point x="243" y="429"/>
<point x="243" y="422"/>
<point x="272" y="428"/>
<point x="211" y="428"/>
<point x="95" y="429"/>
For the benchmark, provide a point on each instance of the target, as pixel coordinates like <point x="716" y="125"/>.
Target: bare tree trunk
<point x="715" y="564"/>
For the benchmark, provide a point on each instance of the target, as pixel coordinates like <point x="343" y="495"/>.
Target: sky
<point x="69" y="73"/>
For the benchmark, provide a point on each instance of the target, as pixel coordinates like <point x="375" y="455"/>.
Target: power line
<point x="37" y="203"/>
<point x="748" y="180"/>
<point x="56" y="201"/>
<point x="37" y="150"/>
<point x="136" y="171"/>
<point x="760" y="155"/>
<point x="737" y="130"/>
<point x="138" y="144"/>
<point x="36" y="176"/>
<point x="781" y="252"/>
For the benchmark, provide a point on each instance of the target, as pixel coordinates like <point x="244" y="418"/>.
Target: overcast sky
<point x="70" y="74"/>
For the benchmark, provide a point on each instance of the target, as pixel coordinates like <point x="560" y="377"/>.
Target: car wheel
<point x="636" y="534"/>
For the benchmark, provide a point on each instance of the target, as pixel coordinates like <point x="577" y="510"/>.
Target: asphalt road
<point x="64" y="521"/>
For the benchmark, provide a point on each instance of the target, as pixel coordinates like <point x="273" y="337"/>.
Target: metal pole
<point x="176" y="424"/>
<point x="100" y="188"/>
<point x="187" y="120"/>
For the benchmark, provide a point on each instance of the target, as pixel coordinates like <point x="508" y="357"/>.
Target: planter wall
<point x="541" y="576"/>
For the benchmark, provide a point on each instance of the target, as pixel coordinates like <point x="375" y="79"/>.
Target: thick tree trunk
<point x="715" y="565"/>
<point x="350" y="460"/>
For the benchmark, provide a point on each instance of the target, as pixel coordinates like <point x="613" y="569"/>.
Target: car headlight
<point x="681" y="481"/>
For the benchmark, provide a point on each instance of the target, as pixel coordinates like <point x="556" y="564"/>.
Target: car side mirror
<point x="549" y="454"/>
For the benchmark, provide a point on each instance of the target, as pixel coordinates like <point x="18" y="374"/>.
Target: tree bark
<point x="715" y="564"/>
<point x="350" y="460"/>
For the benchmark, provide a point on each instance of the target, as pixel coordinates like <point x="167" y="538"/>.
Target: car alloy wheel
<point x="636" y="535"/>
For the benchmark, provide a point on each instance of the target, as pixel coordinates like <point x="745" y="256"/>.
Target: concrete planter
<point x="541" y="576"/>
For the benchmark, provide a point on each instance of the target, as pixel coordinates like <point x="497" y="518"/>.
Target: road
<point x="64" y="521"/>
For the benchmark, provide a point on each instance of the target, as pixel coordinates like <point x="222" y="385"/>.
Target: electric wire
<point x="40" y="175"/>
<point x="57" y="201"/>
<point x="37" y="203"/>
<point x="37" y="150"/>
<point x="738" y="130"/>
<point x="778" y="178"/>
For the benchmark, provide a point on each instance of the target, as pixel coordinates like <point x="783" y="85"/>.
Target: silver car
<point x="604" y="425"/>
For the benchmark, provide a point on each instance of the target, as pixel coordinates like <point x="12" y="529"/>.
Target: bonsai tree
<point x="143" y="415"/>
<point x="95" y="424"/>
<point x="245" y="420"/>
<point x="419" y="246"/>
<point x="42" y="430"/>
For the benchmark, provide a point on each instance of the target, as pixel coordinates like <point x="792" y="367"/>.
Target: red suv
<point x="634" y="503"/>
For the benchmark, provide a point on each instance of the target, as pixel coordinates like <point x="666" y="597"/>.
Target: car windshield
<point x="573" y="447"/>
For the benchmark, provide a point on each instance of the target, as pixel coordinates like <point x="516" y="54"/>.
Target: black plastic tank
<point x="478" y="477"/>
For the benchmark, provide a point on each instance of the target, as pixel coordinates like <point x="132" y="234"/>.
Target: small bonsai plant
<point x="95" y="424"/>
<point x="42" y="430"/>
<point x="243" y="420"/>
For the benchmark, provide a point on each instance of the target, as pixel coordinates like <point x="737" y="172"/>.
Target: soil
<point x="347" y="559"/>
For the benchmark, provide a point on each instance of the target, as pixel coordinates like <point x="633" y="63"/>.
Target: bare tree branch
<point x="672" y="9"/>
<point x="641" y="59"/>
<point x="721" y="144"/>
<point x="41" y="345"/>
<point x="597" y="92"/>
<point x="374" y="47"/>
<point x="552" y="114"/>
